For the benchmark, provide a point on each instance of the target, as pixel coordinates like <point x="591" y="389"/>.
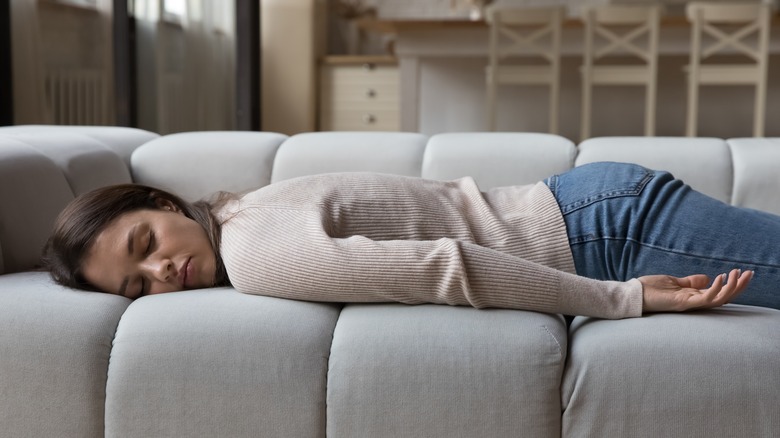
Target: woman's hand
<point x="664" y="293"/>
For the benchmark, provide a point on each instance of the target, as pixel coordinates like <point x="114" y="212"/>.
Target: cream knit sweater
<point x="363" y="237"/>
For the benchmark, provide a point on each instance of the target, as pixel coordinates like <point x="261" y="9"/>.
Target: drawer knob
<point x="368" y="66"/>
<point x="369" y="118"/>
<point x="370" y="92"/>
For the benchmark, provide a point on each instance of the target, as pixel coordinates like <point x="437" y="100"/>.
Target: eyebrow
<point x="130" y="240"/>
<point x="123" y="287"/>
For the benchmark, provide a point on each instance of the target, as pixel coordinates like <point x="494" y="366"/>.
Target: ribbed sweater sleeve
<point x="287" y="252"/>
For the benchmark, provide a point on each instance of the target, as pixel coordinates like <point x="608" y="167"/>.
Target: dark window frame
<point x="6" y="67"/>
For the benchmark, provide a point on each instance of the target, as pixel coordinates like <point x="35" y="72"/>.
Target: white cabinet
<point x="359" y="93"/>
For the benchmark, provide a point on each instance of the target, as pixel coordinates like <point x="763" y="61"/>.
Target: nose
<point x="159" y="269"/>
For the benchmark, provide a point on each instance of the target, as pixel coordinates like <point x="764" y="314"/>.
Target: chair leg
<point x="554" y="107"/>
<point x="491" y="105"/>
<point x="693" y="107"/>
<point x="758" y="112"/>
<point x="650" y="100"/>
<point x="585" y="116"/>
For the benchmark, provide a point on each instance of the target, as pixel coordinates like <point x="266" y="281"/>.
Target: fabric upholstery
<point x="325" y="152"/>
<point x="440" y="371"/>
<point x="219" y="363"/>
<point x="37" y="190"/>
<point x="497" y="159"/>
<point x="756" y="176"/>
<point x="195" y="165"/>
<point x="123" y="141"/>
<point x="703" y="374"/>
<point x="703" y="163"/>
<point x="54" y="350"/>
<point x="86" y="163"/>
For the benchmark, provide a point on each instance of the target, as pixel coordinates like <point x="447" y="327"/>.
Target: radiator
<point x="77" y="97"/>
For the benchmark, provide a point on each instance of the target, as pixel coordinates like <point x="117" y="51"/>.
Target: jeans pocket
<point x="594" y="182"/>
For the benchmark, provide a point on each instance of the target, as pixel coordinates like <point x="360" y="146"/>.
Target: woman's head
<point x="134" y="240"/>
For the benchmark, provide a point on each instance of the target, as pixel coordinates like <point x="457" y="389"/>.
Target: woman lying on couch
<point x="608" y="240"/>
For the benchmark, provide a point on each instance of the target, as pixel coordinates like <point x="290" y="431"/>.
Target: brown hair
<point x="83" y="218"/>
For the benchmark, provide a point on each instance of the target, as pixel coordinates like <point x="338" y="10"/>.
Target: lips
<point x="185" y="273"/>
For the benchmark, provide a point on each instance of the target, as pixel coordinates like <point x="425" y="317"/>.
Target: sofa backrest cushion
<point x="497" y="159"/>
<point x="123" y="141"/>
<point x="194" y="165"/>
<point x="756" y="173"/>
<point x="703" y="163"/>
<point x="33" y="190"/>
<point x="86" y="163"/>
<point x="325" y="152"/>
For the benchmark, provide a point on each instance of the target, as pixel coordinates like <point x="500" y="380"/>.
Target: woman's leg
<point x="626" y="221"/>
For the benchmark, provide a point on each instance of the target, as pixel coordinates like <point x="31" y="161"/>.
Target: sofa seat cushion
<point x="219" y="363"/>
<point x="54" y="350"/>
<point x="441" y="371"/>
<point x="708" y="374"/>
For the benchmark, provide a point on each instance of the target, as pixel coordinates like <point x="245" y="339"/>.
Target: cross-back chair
<point x="751" y="39"/>
<point x="524" y="33"/>
<point x="619" y="30"/>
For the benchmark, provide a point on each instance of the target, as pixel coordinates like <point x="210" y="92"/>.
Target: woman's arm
<point x="287" y="254"/>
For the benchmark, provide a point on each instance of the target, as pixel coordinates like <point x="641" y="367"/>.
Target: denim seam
<point x="632" y="191"/>
<point x="576" y="241"/>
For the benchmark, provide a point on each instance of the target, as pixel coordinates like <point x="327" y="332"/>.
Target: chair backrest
<point x="642" y="21"/>
<point x="525" y="31"/>
<point x="709" y="18"/>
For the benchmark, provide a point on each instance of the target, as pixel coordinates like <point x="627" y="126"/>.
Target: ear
<point x="167" y="205"/>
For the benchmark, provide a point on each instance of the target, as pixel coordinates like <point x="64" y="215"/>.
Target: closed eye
<point x="150" y="245"/>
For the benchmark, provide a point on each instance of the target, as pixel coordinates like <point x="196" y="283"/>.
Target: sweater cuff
<point x="600" y="299"/>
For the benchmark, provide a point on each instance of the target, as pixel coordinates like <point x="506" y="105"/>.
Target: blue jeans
<point x="625" y="221"/>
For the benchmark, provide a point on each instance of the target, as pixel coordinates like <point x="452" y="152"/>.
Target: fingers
<point x="698" y="281"/>
<point x="743" y="281"/>
<point x="725" y="287"/>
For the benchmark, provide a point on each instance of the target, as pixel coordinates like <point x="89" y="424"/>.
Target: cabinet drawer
<point x="359" y="96"/>
<point x="360" y="120"/>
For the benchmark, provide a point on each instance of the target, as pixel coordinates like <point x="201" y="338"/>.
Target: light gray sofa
<point x="217" y="363"/>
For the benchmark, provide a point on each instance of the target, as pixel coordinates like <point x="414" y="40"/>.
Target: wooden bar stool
<point x="528" y="34"/>
<point x="609" y="23"/>
<point x="708" y="20"/>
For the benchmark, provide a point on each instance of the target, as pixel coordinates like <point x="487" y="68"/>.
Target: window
<point x="175" y="7"/>
<point x="174" y="11"/>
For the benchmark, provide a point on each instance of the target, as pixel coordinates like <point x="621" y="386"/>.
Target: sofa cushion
<point x="33" y="190"/>
<point x="441" y="371"/>
<point x="756" y="176"/>
<point x="219" y="363"/>
<point x="703" y="163"/>
<point x="194" y="165"/>
<point x="324" y="152"/>
<point x="54" y="344"/>
<point x="497" y="159"/>
<point x="123" y="141"/>
<point x="86" y="163"/>
<point x="704" y="374"/>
